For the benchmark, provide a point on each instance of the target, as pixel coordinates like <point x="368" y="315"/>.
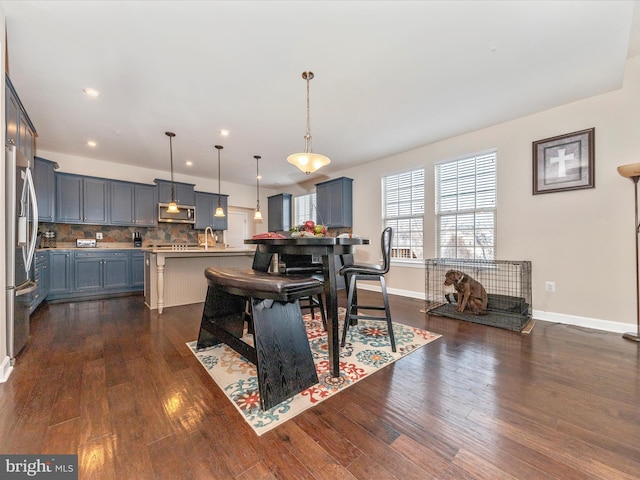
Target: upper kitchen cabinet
<point x="19" y="130"/>
<point x="279" y="212"/>
<point x="184" y="192"/>
<point x="133" y="204"/>
<point x="335" y="202"/>
<point x="44" y="181"/>
<point x="145" y="200"/>
<point x="82" y="199"/>
<point x="206" y="204"/>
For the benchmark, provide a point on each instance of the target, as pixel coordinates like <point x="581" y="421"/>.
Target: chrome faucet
<point x="206" y="242"/>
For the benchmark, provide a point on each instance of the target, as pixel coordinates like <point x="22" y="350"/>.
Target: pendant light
<point x="257" y="216"/>
<point x="219" y="210"/>
<point x="173" y="206"/>
<point x="308" y="161"/>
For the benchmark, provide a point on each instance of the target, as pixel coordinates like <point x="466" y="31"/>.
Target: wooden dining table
<point x="327" y="248"/>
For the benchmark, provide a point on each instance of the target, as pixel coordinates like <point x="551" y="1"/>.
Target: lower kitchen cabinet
<point x="60" y="279"/>
<point x="137" y="269"/>
<point x="77" y="274"/>
<point x="41" y="278"/>
<point x="101" y="270"/>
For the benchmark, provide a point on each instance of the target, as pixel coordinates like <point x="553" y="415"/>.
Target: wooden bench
<point x="281" y="349"/>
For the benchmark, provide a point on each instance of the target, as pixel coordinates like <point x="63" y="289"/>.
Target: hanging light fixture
<point x="219" y="210"/>
<point x="257" y="216"/>
<point x="308" y="161"/>
<point x="173" y="206"/>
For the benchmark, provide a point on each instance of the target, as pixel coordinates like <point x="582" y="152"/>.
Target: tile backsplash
<point x="163" y="233"/>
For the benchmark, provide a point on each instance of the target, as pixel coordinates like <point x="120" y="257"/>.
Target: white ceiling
<point x="390" y="76"/>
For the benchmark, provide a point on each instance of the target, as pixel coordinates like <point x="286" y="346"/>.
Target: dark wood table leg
<point x="331" y="296"/>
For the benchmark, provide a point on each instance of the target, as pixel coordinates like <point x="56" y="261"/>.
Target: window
<point x="466" y="207"/>
<point x="403" y="210"/>
<point x="304" y="208"/>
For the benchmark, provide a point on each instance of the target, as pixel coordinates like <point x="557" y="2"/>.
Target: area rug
<point x="367" y="350"/>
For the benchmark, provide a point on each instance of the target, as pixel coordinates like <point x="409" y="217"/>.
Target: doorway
<point x="239" y="227"/>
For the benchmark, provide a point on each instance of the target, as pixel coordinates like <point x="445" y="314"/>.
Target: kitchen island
<point x="176" y="276"/>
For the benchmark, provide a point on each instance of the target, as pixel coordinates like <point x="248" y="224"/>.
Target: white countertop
<point x="154" y="249"/>
<point x="201" y="250"/>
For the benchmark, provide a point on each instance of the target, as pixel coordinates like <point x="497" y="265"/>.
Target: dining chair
<point x="369" y="272"/>
<point x="305" y="265"/>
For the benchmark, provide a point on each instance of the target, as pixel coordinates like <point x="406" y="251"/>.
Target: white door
<point x="238" y="228"/>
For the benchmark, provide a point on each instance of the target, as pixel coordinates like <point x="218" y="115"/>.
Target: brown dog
<point x="471" y="294"/>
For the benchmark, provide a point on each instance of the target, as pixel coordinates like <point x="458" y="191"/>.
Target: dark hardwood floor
<point x="116" y="384"/>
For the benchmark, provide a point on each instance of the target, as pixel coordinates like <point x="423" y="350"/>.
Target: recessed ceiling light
<point x="91" y="92"/>
<point x="91" y="143"/>
<point x="189" y="163"/>
<point x="224" y="132"/>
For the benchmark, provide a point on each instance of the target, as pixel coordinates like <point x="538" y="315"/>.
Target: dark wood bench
<point x="281" y="349"/>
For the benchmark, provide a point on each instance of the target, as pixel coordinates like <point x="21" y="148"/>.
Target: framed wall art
<point x="565" y="162"/>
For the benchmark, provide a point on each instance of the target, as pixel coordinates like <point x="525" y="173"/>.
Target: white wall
<point x="582" y="240"/>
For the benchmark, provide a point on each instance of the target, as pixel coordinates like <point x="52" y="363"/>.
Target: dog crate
<point x="507" y="283"/>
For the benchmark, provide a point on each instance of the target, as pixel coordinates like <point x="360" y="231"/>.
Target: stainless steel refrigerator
<point x="21" y="217"/>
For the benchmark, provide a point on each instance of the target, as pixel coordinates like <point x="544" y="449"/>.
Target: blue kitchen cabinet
<point x="19" y="130"/>
<point x="335" y="202"/>
<point x="60" y="272"/>
<point x="206" y="204"/>
<point x="145" y="205"/>
<point x="44" y="181"/>
<point x="121" y="202"/>
<point x="221" y="223"/>
<point x="137" y="269"/>
<point x="204" y="210"/>
<point x="41" y="279"/>
<point x="100" y="270"/>
<point x="82" y="199"/>
<point x="133" y="204"/>
<point x="279" y="212"/>
<point x="184" y="192"/>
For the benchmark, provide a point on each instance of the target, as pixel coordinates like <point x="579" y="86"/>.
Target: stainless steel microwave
<point x="186" y="214"/>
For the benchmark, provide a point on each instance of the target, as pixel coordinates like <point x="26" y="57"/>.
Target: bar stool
<point x="369" y="272"/>
<point x="304" y="265"/>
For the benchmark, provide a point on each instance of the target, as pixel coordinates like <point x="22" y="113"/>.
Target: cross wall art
<point x="565" y="162"/>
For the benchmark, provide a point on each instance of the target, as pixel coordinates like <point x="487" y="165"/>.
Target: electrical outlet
<point x="550" y="286"/>
<point x="99" y="236"/>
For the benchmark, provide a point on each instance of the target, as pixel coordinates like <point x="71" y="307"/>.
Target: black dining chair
<point x="304" y="265"/>
<point x="369" y="272"/>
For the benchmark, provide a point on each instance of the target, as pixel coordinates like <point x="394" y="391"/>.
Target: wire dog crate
<point x="508" y="286"/>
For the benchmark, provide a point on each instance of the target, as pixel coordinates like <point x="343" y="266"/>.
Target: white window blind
<point x="304" y="208"/>
<point x="466" y="207"/>
<point x="403" y="210"/>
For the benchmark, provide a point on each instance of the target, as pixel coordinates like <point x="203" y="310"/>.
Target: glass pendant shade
<point x="219" y="211"/>
<point x="308" y="162"/>
<point x="173" y="206"/>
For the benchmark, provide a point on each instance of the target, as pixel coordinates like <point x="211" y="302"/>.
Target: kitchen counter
<point x="100" y="246"/>
<point x="176" y="276"/>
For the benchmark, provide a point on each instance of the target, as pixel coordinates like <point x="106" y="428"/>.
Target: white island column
<point x="177" y="277"/>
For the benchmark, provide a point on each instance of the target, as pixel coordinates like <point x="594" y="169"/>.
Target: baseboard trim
<point x="5" y="369"/>
<point x="595" y="323"/>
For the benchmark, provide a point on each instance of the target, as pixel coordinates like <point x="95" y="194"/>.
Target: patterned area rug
<point x="367" y="350"/>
